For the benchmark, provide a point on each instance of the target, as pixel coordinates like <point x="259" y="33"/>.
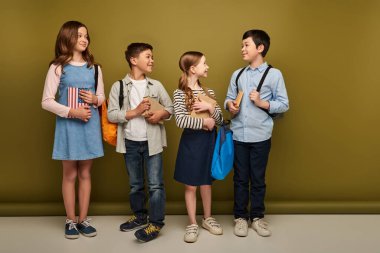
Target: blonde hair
<point x="187" y="60"/>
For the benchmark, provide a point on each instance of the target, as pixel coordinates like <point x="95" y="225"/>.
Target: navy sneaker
<point x="134" y="223"/>
<point x="71" y="231"/>
<point x="147" y="234"/>
<point x="86" y="229"/>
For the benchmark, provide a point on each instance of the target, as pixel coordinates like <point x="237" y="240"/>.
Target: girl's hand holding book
<point x="88" y="97"/>
<point x="82" y="113"/>
<point x="202" y="106"/>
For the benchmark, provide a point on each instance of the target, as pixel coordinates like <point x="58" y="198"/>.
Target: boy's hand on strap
<point x="255" y="97"/>
<point x="232" y="107"/>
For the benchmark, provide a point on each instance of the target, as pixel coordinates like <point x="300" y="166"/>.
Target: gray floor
<point x="291" y="233"/>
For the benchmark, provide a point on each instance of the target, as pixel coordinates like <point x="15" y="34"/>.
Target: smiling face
<point x="144" y="61"/>
<point x="201" y="69"/>
<point x="82" y="40"/>
<point x="249" y="51"/>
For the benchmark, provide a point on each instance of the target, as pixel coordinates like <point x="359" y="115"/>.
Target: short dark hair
<point x="259" y="37"/>
<point x="134" y="50"/>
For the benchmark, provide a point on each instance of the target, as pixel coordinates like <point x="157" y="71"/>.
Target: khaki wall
<point x="325" y="156"/>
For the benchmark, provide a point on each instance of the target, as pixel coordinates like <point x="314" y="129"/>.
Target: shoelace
<point x="72" y="224"/>
<point x="263" y="224"/>
<point x="151" y="229"/>
<point x="192" y="229"/>
<point x="240" y="222"/>
<point x="133" y="218"/>
<point x="86" y="222"/>
<point x="212" y="222"/>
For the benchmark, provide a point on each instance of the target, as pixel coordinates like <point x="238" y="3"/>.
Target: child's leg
<point x="241" y="179"/>
<point x="206" y="200"/>
<point x="84" y="188"/>
<point x="259" y="158"/>
<point x="191" y="202"/>
<point x="70" y="171"/>
<point x="156" y="188"/>
<point x="135" y="169"/>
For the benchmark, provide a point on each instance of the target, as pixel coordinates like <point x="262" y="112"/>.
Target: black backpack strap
<point x="96" y="76"/>
<point x="237" y="79"/>
<point x="263" y="78"/>
<point x="121" y="94"/>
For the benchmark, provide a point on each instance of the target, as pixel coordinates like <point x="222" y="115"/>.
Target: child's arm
<point x="164" y="100"/>
<point x="216" y="113"/>
<point x="116" y="114"/>
<point x="50" y="90"/>
<point x="280" y="102"/>
<point x="182" y="117"/>
<point x="230" y="103"/>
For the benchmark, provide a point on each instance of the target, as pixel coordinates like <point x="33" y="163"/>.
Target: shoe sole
<point x="261" y="235"/>
<point x="140" y="240"/>
<point x="71" y="237"/>
<point x="135" y="228"/>
<point x="90" y="235"/>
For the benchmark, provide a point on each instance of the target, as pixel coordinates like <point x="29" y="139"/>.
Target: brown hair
<point x="66" y="40"/>
<point x="187" y="60"/>
<point x="134" y="50"/>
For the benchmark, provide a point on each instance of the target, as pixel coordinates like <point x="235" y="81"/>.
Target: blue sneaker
<point x="86" y="229"/>
<point x="134" y="223"/>
<point x="71" y="231"/>
<point x="147" y="234"/>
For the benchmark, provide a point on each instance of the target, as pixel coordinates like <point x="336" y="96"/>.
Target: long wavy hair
<point x="188" y="59"/>
<point x="66" y="40"/>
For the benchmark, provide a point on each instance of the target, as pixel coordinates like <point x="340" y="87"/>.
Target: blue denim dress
<point x="75" y="139"/>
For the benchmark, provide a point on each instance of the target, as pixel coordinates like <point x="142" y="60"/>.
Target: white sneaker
<point x="191" y="234"/>
<point x="261" y="227"/>
<point x="212" y="226"/>
<point x="241" y="227"/>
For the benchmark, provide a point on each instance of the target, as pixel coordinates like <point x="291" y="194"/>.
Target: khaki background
<point x="325" y="156"/>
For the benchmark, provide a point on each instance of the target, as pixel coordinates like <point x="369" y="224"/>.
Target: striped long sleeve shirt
<point x="182" y="115"/>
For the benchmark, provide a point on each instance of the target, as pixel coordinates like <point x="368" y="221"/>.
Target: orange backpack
<point x="109" y="129"/>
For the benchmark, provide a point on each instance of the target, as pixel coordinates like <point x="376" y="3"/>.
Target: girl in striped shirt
<point x="194" y="157"/>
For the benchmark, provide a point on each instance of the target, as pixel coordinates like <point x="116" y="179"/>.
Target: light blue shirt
<point x="252" y="124"/>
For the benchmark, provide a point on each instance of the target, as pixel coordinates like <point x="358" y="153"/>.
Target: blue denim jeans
<point x="136" y="158"/>
<point x="250" y="163"/>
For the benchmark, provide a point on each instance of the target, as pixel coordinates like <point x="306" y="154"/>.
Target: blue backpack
<point x="223" y="157"/>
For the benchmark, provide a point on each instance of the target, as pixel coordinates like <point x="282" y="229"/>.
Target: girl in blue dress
<point x="78" y="139"/>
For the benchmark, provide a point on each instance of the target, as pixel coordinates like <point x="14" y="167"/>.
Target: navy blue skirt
<point x="194" y="157"/>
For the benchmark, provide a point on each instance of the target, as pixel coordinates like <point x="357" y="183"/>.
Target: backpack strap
<point x="263" y="78"/>
<point x="121" y="94"/>
<point x="237" y="79"/>
<point x="96" y="76"/>
<point x="258" y="87"/>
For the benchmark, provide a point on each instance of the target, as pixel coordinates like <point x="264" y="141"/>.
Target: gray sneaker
<point x="261" y="227"/>
<point x="241" y="227"/>
<point x="191" y="234"/>
<point x="212" y="226"/>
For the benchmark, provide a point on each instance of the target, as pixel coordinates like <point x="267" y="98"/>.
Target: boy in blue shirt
<point x="252" y="127"/>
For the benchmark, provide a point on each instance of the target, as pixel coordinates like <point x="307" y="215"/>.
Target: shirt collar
<point x="260" y="68"/>
<point x="128" y="80"/>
